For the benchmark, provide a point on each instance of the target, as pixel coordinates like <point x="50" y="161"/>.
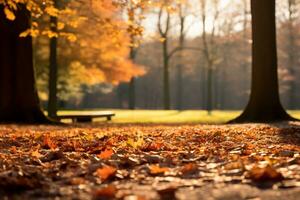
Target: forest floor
<point x="150" y="161"/>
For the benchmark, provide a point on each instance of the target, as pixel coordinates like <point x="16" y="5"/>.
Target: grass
<point x="162" y="116"/>
<point x="171" y="116"/>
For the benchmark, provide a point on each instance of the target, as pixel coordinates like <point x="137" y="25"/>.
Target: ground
<point x="150" y="161"/>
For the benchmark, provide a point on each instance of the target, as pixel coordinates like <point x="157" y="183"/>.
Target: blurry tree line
<point x="183" y="70"/>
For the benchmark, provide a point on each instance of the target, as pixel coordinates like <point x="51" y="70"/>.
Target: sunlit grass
<point x="163" y="116"/>
<point x="172" y="116"/>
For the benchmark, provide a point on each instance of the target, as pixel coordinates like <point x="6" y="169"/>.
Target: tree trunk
<point x="52" y="101"/>
<point x="19" y="101"/>
<point x="167" y="98"/>
<point x="179" y="85"/>
<point x="132" y="94"/>
<point x="291" y="55"/>
<point x="209" y="90"/>
<point x="264" y="104"/>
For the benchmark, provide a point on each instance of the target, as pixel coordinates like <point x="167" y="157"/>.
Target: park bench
<point x="87" y="117"/>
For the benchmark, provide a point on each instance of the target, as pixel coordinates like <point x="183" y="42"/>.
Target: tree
<point x="19" y="100"/>
<point x="52" y="101"/>
<point x="264" y="104"/>
<point x="210" y="49"/>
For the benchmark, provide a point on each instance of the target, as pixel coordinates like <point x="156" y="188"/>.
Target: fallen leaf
<point x="107" y="192"/>
<point x="156" y="170"/>
<point x="106" y="172"/>
<point x="36" y="154"/>
<point x="48" y="143"/>
<point x="189" y="168"/>
<point x="106" y="154"/>
<point x="267" y="173"/>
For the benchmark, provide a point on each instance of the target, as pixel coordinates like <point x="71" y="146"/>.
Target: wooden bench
<point x="87" y="117"/>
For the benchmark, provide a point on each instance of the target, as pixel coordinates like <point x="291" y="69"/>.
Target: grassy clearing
<point x="162" y="116"/>
<point x="172" y="116"/>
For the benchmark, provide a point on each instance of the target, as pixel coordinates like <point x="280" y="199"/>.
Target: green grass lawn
<point x="172" y="116"/>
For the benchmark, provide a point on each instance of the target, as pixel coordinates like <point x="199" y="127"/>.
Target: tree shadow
<point x="288" y="132"/>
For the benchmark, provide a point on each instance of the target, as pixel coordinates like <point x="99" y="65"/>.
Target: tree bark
<point x="264" y="104"/>
<point x="167" y="95"/>
<point x="53" y="68"/>
<point x="291" y="55"/>
<point x="19" y="101"/>
<point x="131" y="92"/>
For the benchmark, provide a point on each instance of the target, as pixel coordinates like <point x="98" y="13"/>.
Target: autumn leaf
<point x="189" y="168"/>
<point x="267" y="173"/>
<point x="9" y="14"/>
<point x="106" y="192"/>
<point x="48" y="143"/>
<point x="13" y="149"/>
<point x="153" y="146"/>
<point x="156" y="170"/>
<point x="36" y="154"/>
<point x="106" y="172"/>
<point x="106" y="154"/>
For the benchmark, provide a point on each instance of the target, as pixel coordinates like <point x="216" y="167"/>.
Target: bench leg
<point x="108" y="118"/>
<point x="85" y="119"/>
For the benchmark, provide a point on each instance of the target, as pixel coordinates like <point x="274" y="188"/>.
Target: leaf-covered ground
<point x="110" y="161"/>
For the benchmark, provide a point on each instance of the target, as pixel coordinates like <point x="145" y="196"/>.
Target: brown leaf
<point x="48" y="143"/>
<point x="156" y="170"/>
<point x="267" y="173"/>
<point x="189" y="168"/>
<point x="106" y="172"/>
<point x="107" y="192"/>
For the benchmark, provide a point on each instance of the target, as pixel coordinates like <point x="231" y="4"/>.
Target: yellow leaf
<point x="60" y="25"/>
<point x="9" y="14"/>
<point x="25" y="33"/>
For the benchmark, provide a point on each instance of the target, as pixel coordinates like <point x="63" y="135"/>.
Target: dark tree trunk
<point x="131" y="92"/>
<point x="179" y="86"/>
<point x="19" y="101"/>
<point x="264" y="104"/>
<point x="209" y="90"/>
<point x="291" y="55"/>
<point x="52" y="102"/>
<point x="167" y="97"/>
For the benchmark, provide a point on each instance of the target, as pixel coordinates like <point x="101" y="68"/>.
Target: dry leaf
<point x="189" y="168"/>
<point x="106" y="172"/>
<point x="156" y="170"/>
<point x="267" y="173"/>
<point x="106" y="154"/>
<point x="106" y="192"/>
<point x="48" y="143"/>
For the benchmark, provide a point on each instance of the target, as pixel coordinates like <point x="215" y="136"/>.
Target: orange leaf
<point x="106" y="172"/>
<point x="106" y="192"/>
<point x="189" y="168"/>
<point x="267" y="173"/>
<point x="48" y="143"/>
<point x="155" y="169"/>
<point x="13" y="149"/>
<point x="106" y="154"/>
